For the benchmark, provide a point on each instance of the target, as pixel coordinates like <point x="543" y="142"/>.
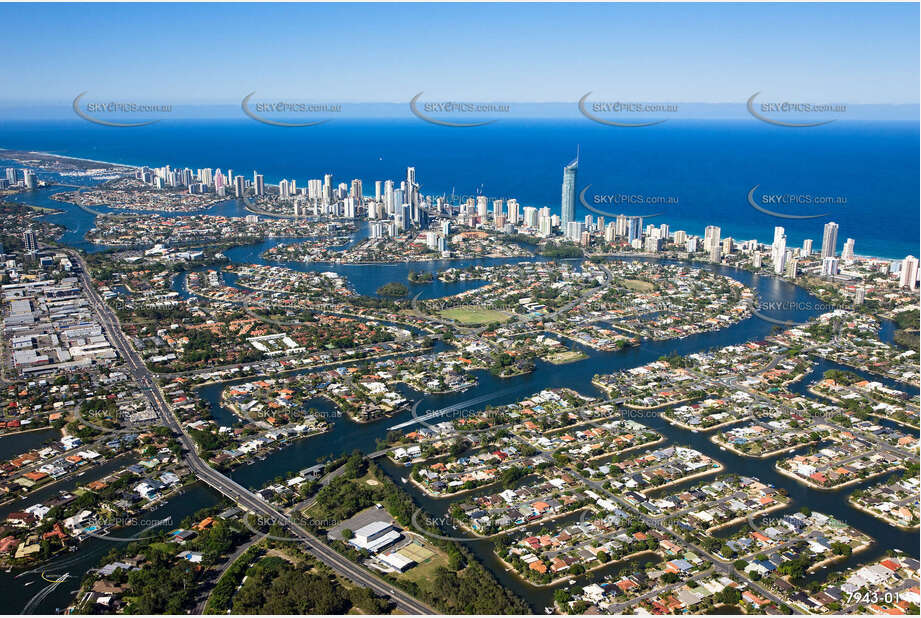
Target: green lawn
<point x="426" y="570"/>
<point x="638" y="286"/>
<point x="472" y="315"/>
<point x="566" y="356"/>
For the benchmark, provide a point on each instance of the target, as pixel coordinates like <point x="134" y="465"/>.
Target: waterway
<point x="20" y="442"/>
<point x="26" y="591"/>
<point x="346" y="436"/>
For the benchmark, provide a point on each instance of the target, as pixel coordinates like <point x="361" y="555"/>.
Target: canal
<point x="346" y="436"/>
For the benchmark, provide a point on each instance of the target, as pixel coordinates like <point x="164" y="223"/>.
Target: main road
<point x="227" y="486"/>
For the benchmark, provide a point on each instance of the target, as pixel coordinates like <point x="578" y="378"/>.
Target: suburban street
<point x="229" y="488"/>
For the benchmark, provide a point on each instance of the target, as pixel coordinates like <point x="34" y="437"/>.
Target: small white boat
<point x="403" y="479"/>
<point x="722" y="448"/>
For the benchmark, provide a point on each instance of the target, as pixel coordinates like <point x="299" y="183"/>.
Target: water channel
<point x="346" y="436"/>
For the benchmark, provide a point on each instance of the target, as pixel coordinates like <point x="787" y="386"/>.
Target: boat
<point x="722" y="448"/>
<point x="403" y="479"/>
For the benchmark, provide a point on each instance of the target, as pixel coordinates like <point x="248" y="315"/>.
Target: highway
<point x="228" y="487"/>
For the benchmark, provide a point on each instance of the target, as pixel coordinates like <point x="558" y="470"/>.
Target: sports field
<point x="474" y="315"/>
<point x="638" y="286"/>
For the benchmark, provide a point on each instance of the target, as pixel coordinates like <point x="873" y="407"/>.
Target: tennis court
<point x="416" y="552"/>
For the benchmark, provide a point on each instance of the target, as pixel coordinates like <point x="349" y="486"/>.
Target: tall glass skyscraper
<point x="829" y="240"/>
<point x="569" y="193"/>
<point x="634" y="228"/>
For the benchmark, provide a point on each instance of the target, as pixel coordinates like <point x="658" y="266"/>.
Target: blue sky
<point x="216" y="53"/>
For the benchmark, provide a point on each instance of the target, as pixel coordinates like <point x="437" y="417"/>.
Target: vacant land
<point x="569" y="356"/>
<point x="474" y="315"/>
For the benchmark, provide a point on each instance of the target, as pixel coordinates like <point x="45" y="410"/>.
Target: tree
<point x="729" y="596"/>
<point x="712" y="545"/>
<point x="669" y="578"/>
<point x="841" y="549"/>
<point x="393" y="289"/>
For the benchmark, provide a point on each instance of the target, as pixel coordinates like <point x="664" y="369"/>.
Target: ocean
<point x="709" y="166"/>
<point x="691" y="173"/>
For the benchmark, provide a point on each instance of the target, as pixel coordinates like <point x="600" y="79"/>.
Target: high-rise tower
<point x="829" y="240"/>
<point x="568" y="211"/>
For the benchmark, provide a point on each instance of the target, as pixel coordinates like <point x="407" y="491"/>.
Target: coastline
<point x="678" y="481"/>
<point x="21" y="431"/>
<point x="563" y="578"/>
<point x="834" y="558"/>
<point x="880" y="516"/>
<point x="667" y="404"/>
<point x="4" y="150"/>
<point x="540" y="520"/>
<point x="678" y="423"/>
<point x="767" y="455"/>
<point x="659" y="440"/>
<point x="840" y="402"/>
<point x="812" y="485"/>
<point x="720" y="467"/>
<point x="737" y="520"/>
<point x="134" y="166"/>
